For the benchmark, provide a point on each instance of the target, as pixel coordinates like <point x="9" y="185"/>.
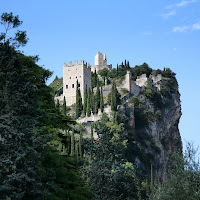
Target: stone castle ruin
<point x="81" y="72"/>
<point x="72" y="74"/>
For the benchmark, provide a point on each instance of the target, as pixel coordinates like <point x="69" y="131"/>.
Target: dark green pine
<point x="20" y="144"/>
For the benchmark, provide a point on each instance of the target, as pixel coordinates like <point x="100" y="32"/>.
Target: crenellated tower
<point x="72" y="73"/>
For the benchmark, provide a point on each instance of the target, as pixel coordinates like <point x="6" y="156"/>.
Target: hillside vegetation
<point x="44" y="153"/>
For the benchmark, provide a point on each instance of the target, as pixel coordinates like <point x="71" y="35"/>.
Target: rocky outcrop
<point x="162" y="127"/>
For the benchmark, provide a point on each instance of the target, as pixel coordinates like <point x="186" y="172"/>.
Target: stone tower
<point x="128" y="81"/>
<point x="100" y="62"/>
<point x="72" y="73"/>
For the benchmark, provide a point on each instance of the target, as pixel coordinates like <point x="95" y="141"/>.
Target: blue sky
<point x="161" y="33"/>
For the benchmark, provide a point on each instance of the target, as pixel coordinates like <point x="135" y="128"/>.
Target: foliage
<point x="183" y="179"/>
<point x="113" y="97"/>
<point x="64" y="107"/>
<point x="56" y="84"/>
<point x="138" y="70"/>
<point x="101" y="100"/>
<point x="153" y="95"/>
<point x="21" y="140"/>
<point x="88" y="103"/>
<point x="110" y="176"/>
<point x="124" y="91"/>
<point x="85" y="102"/>
<point x="9" y="21"/>
<point x="97" y="96"/>
<point x="67" y="182"/>
<point x="79" y="106"/>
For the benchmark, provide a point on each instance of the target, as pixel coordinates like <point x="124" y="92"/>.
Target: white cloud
<point x="181" y="4"/>
<point x="171" y="13"/>
<point x="181" y="28"/>
<point x="192" y="27"/>
<point x="196" y="26"/>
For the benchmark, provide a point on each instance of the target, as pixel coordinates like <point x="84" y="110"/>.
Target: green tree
<point x="9" y="21"/>
<point x="19" y="126"/>
<point x="114" y="97"/>
<point x="92" y="101"/>
<point x="72" y="143"/>
<point x="64" y="107"/>
<point x="58" y="105"/>
<point x="183" y="178"/>
<point x="79" y="105"/>
<point x="85" y="102"/>
<point x="101" y="101"/>
<point x="109" y="175"/>
<point x="89" y="102"/>
<point x="97" y="96"/>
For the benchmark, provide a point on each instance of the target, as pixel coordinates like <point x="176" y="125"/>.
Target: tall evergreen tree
<point x="95" y="78"/>
<point x="97" y="96"/>
<point x="115" y="97"/>
<point x="101" y="101"/>
<point x="79" y="105"/>
<point x="85" y="102"/>
<point x="88" y="102"/>
<point x="92" y="101"/>
<point x="72" y="143"/>
<point x="58" y="105"/>
<point x="128" y="65"/>
<point x="20" y="144"/>
<point x="64" y="106"/>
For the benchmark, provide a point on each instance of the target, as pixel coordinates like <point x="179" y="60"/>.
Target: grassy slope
<point x="56" y="84"/>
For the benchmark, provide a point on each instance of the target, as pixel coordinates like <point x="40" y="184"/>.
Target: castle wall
<point x="72" y="73"/>
<point x="100" y="67"/>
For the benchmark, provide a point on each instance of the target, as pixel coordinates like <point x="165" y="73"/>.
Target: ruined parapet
<point x="141" y="80"/>
<point x="100" y="62"/>
<point x="156" y="80"/>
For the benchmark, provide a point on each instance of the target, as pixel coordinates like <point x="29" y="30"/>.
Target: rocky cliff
<point x="153" y="118"/>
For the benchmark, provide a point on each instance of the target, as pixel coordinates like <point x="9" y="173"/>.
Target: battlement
<point x="77" y="64"/>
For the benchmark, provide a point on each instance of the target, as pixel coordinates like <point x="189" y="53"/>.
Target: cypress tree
<point x="76" y="148"/>
<point x="64" y="107"/>
<point x="115" y="97"/>
<point x="128" y="65"/>
<point x="95" y="108"/>
<point x="20" y="144"/>
<point x="80" y="144"/>
<point x="101" y="102"/>
<point x="95" y="78"/>
<point x="79" y="105"/>
<point x="117" y="66"/>
<point x="97" y="96"/>
<point x="88" y="102"/>
<point x="92" y="101"/>
<point x="58" y="105"/>
<point x="72" y="143"/>
<point x="85" y="102"/>
<point x="125" y="63"/>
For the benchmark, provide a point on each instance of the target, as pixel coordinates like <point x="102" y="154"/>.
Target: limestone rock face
<point x="166" y="135"/>
<point x="163" y="137"/>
